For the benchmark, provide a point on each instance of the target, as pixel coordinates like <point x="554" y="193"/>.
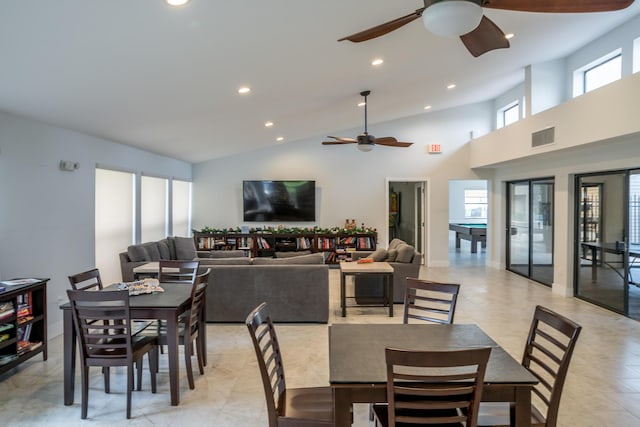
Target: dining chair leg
<point x="199" y="354"/>
<point x="187" y="363"/>
<point x="107" y="379"/>
<point x="85" y="392"/>
<point x="129" y="388"/>
<point x="139" y="365"/>
<point x="153" y="367"/>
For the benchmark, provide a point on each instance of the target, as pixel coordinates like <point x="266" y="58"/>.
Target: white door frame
<point x="425" y="212"/>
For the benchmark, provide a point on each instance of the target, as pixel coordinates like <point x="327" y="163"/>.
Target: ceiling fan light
<point x="452" y="17"/>
<point x="365" y="146"/>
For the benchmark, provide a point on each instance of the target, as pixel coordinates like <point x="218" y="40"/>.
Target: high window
<point x="601" y="72"/>
<point x="636" y="55"/>
<point x="508" y="114"/>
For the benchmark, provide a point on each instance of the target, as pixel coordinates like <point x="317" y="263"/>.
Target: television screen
<point x="279" y="200"/>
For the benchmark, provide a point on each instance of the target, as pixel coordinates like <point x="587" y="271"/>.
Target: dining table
<point x="358" y="368"/>
<point x="167" y="305"/>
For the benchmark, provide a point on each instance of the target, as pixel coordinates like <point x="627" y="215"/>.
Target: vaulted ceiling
<point x="165" y="79"/>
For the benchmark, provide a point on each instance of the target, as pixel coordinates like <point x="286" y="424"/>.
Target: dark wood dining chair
<point x="190" y="327"/>
<point x="433" y="387"/>
<point x="172" y="271"/>
<point x="307" y="407"/>
<point x="547" y="353"/>
<point x="103" y="325"/>
<point x="430" y="301"/>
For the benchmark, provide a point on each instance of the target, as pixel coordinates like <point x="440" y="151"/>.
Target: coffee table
<point x="371" y="268"/>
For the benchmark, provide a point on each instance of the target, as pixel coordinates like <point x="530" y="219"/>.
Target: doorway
<point x="607" y="251"/>
<point x="530" y="229"/>
<point x="406" y="212"/>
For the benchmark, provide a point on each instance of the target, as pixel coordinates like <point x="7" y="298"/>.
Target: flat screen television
<point x="279" y="201"/>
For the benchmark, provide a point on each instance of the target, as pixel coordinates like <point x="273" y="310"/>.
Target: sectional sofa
<point x="295" y="287"/>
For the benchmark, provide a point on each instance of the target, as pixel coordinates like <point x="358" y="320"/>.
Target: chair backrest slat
<point x="430" y="301"/>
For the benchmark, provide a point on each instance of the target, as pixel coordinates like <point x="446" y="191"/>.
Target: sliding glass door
<point x="530" y="229"/>
<point x="608" y="240"/>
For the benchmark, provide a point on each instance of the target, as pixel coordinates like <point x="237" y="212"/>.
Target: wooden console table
<point x="370" y="268"/>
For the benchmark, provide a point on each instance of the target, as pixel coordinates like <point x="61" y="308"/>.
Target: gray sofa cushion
<point x="393" y="244"/>
<point x="317" y="258"/>
<point x="392" y="254"/>
<point x="379" y="255"/>
<point x="185" y="248"/>
<point x="405" y="253"/>
<point x="291" y="254"/>
<point x="153" y="254"/>
<point x="163" y="247"/>
<point x="137" y="253"/>
<point x="224" y="261"/>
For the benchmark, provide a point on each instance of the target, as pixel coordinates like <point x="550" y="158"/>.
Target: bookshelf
<point x="23" y="321"/>
<point x="336" y="245"/>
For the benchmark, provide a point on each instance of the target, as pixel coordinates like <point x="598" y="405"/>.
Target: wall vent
<point x="543" y="137"/>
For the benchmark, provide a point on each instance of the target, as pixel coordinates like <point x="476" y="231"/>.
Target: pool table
<point x="472" y="232"/>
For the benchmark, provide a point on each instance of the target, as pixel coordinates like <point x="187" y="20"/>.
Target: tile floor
<point x="602" y="389"/>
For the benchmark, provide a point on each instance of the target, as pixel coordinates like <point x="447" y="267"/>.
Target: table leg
<point x="172" y="345"/>
<point x="343" y="303"/>
<point x="342" y="407"/>
<point x="523" y="407"/>
<point x="69" y="356"/>
<point x="457" y="240"/>
<point x="474" y="245"/>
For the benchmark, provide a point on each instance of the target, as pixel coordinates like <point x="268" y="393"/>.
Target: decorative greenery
<point x="290" y="230"/>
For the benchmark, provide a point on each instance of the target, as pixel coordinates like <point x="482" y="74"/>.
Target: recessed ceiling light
<point x="268" y="124"/>
<point x="377" y="61"/>
<point x="427" y="107"/>
<point x="279" y="139"/>
<point x="451" y="86"/>
<point x="362" y="104"/>
<point x="244" y="89"/>
<point x="509" y="36"/>
<point x="176" y="2"/>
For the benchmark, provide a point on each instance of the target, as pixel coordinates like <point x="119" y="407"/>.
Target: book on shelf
<point x="6" y="358"/>
<point x="6" y="326"/>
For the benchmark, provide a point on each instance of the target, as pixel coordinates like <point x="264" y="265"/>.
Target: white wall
<point x="47" y="215"/>
<point x="350" y="183"/>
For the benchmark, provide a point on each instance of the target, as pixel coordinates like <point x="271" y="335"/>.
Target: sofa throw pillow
<point x="137" y="253"/>
<point x="393" y="244"/>
<point x="392" y="254"/>
<point x="152" y="251"/>
<point x="163" y="247"/>
<point x="185" y="248"/>
<point x="379" y="255"/>
<point x="405" y="253"/>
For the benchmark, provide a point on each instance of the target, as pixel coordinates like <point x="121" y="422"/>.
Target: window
<point x="153" y="208"/>
<point x="475" y="204"/>
<point x="598" y="73"/>
<point x="181" y="212"/>
<point x="114" y="219"/>
<point x="508" y="114"/>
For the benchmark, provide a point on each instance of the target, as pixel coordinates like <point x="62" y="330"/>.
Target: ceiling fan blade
<point x="558" y="6"/>
<point x="390" y="141"/>
<point x="382" y="29"/>
<point x="487" y="36"/>
<point x="345" y="140"/>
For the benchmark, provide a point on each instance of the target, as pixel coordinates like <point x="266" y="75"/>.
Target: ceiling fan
<point x="365" y="140"/>
<point x="465" y="18"/>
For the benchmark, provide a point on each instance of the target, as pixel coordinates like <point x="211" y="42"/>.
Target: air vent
<point x="543" y="137"/>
